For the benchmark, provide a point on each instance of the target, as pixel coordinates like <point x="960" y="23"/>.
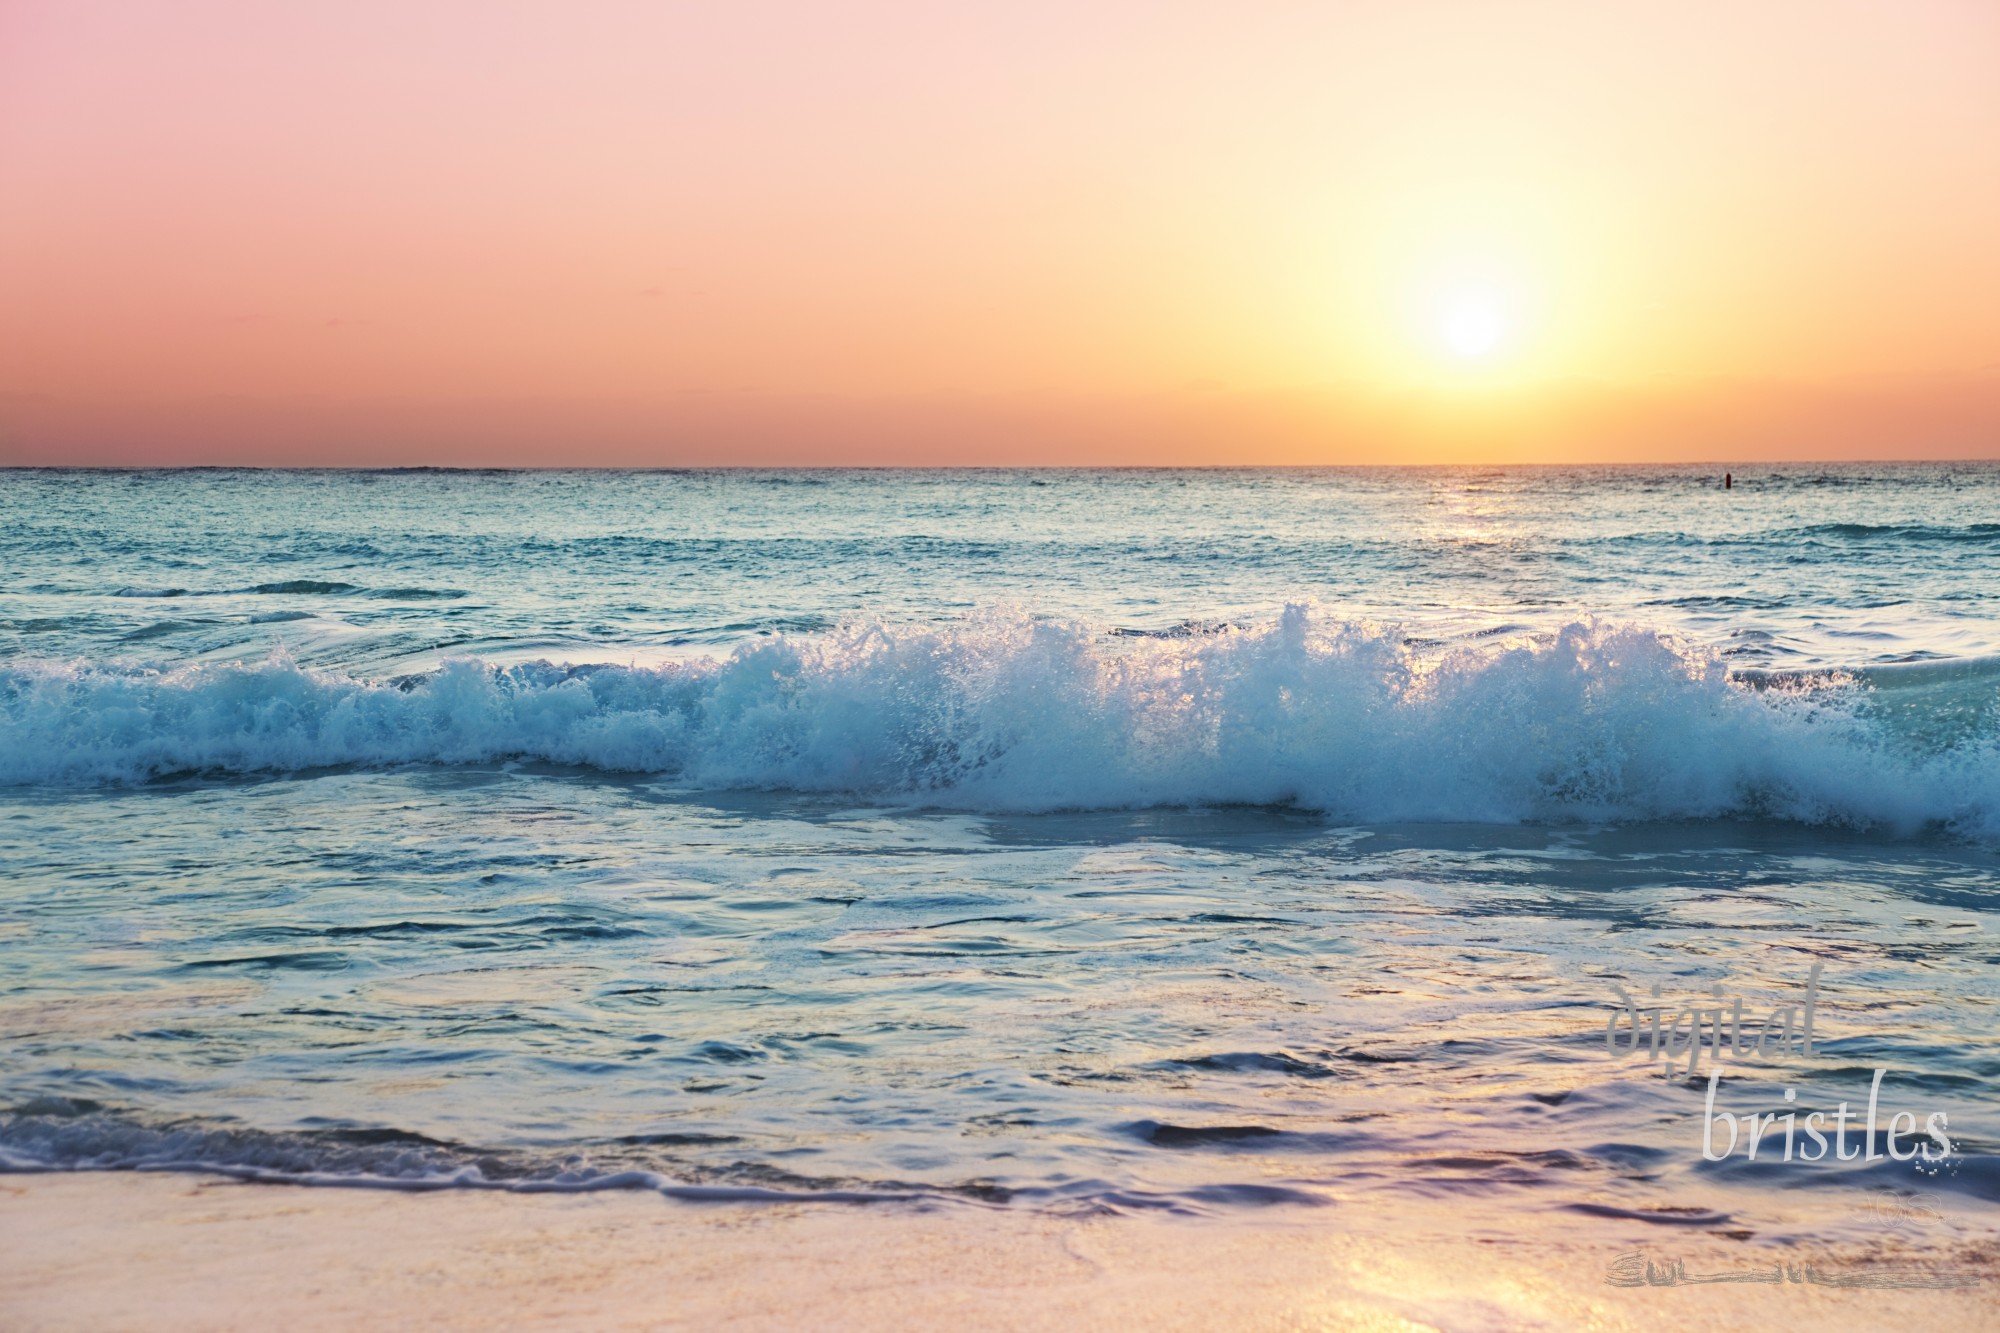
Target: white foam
<point x="1596" y="721"/>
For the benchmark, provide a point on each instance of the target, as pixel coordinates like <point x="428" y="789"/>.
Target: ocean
<point x="1203" y="842"/>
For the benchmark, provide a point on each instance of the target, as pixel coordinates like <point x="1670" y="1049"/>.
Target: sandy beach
<point x="157" y="1251"/>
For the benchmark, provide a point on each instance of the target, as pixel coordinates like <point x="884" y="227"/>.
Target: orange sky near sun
<point x="663" y="233"/>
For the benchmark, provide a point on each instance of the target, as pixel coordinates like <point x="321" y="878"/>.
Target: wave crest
<point x="1594" y="721"/>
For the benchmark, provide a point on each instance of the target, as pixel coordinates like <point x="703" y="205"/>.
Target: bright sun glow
<point x="1472" y="325"/>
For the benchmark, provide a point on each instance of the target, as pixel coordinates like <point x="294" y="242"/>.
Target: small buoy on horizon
<point x="1727" y="481"/>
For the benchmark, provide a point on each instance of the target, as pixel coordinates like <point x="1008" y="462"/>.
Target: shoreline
<point x="104" y="1250"/>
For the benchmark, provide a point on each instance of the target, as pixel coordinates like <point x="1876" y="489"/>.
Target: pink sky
<point x="886" y="233"/>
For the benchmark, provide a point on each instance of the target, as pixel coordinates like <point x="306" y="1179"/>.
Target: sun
<point x="1472" y="317"/>
<point x="1471" y="324"/>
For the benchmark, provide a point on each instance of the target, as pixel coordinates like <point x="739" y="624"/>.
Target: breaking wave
<point x="1593" y="721"/>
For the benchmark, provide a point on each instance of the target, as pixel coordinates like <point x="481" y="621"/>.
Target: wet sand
<point x="128" y="1251"/>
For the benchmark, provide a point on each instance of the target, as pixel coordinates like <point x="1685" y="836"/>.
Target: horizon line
<point x="1726" y="464"/>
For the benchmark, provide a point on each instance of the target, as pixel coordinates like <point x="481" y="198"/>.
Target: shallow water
<point x="1144" y="891"/>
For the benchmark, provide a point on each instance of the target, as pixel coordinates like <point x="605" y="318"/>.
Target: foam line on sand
<point x="104" y="1251"/>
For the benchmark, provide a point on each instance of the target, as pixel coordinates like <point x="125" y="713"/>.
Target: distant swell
<point x="1003" y="712"/>
<point x="1905" y="532"/>
<point x="301" y="588"/>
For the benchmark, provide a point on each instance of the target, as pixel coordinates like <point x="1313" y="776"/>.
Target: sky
<point x="432" y="232"/>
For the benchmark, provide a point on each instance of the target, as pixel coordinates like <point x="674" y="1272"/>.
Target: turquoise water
<point x="1186" y="840"/>
<point x="384" y="572"/>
